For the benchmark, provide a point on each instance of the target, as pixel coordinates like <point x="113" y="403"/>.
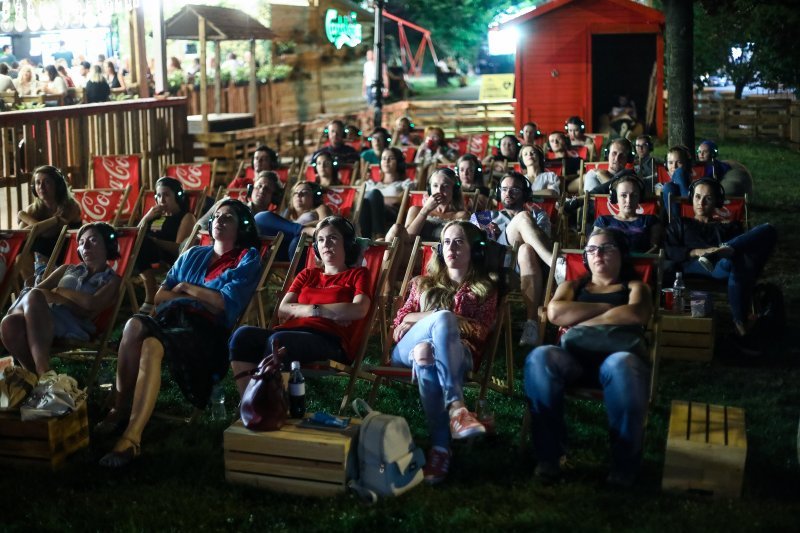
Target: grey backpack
<point x="389" y="463"/>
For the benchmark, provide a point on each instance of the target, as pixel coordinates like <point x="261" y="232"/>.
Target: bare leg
<point x="150" y="285"/>
<point x="530" y="273"/>
<point x="523" y="229"/>
<point x="130" y="352"/>
<point x="38" y="327"/>
<point x="15" y="339"/>
<point x="238" y="367"/>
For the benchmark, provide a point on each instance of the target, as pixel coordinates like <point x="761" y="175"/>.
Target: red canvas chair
<point x="478" y="145"/>
<point x="344" y="200"/>
<point x="698" y="170"/>
<point x="459" y="144"/>
<point x="417" y="198"/>
<point x="129" y="240"/>
<point x="282" y="172"/>
<point x="101" y="205"/>
<point x="482" y="377"/>
<point x="379" y="269"/>
<point x="599" y="140"/>
<point x="346" y="173"/>
<point x="603" y="206"/>
<point x="118" y="172"/>
<point x="410" y="152"/>
<point x="148" y="200"/>
<point x="193" y="176"/>
<point x="375" y="173"/>
<point x="735" y="209"/>
<point x="13" y="244"/>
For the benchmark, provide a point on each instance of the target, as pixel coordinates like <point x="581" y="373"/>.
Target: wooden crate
<point x="706" y="449"/>
<point x="42" y="442"/>
<point x="297" y="460"/>
<point x="686" y="338"/>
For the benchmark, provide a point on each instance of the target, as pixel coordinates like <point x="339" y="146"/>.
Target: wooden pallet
<point x="296" y="460"/>
<point x="686" y="338"/>
<point x="46" y="442"/>
<point x="706" y="449"/>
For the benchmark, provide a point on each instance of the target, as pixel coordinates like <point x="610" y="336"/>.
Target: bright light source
<point x="503" y="42"/>
<point x="736" y="52"/>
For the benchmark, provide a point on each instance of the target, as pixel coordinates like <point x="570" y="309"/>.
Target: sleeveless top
<point x="615" y="298"/>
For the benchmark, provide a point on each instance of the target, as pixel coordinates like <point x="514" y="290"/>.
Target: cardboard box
<point x="42" y="442"/>
<point x="686" y="338"/>
<point x="297" y="460"/>
<point x="706" y="449"/>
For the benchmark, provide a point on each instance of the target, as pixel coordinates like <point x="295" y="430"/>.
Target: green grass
<point x="178" y="483"/>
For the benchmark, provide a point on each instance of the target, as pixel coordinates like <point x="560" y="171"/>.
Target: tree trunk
<point x="738" y="89"/>
<point x="680" y="54"/>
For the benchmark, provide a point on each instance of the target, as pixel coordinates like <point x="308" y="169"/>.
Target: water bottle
<point x="218" y="411"/>
<point x="297" y="392"/>
<point x="678" y="293"/>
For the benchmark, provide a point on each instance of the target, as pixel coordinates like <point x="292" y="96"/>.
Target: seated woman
<point x="26" y="82"/>
<point x="644" y="232"/>
<point x="559" y="149"/>
<point x="507" y="152"/>
<point x="733" y="176"/>
<point x="576" y="129"/>
<point x="722" y="250"/>
<point x="470" y="172"/>
<point x="199" y="302"/>
<point x="304" y="211"/>
<point x="320" y="313"/>
<point x="646" y="164"/>
<point x="379" y="140"/>
<point x="53" y="202"/>
<point x="115" y="81"/>
<point x="97" y="89"/>
<point x="56" y="86"/>
<point x="404" y="134"/>
<point x="382" y="200"/>
<point x="326" y="169"/>
<point x="679" y="169"/>
<point x="168" y="223"/>
<point x="434" y="150"/>
<point x="543" y="182"/>
<point x="440" y="333"/>
<point x="609" y="295"/>
<point x="63" y="305"/>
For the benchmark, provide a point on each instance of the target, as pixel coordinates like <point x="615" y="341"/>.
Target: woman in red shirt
<point x="320" y="313"/>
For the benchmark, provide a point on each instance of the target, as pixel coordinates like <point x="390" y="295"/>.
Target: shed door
<point x="621" y="65"/>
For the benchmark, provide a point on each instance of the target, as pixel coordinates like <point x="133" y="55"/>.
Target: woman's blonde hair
<point x="97" y="74"/>
<point x="436" y="285"/>
<point x="457" y="202"/>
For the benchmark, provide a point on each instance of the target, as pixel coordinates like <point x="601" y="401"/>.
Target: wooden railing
<point x="455" y="117"/>
<point x="757" y="118"/>
<point x="66" y="137"/>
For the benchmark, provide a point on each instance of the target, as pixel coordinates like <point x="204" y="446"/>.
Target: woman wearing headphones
<point x="53" y="202"/>
<point x="379" y="140"/>
<point x="434" y="150"/>
<point x="470" y="172"/>
<point x="202" y="297"/>
<point x="168" y="223"/>
<point x="576" y="128"/>
<point x="440" y="333"/>
<point x="707" y="247"/>
<point x="318" y="316"/>
<point x="644" y="232"/>
<point x="382" y="199"/>
<point x="326" y="168"/>
<point x="530" y="134"/>
<point x="679" y="168"/>
<point x="609" y="295"/>
<point x="543" y="182"/>
<point x="63" y="305"/>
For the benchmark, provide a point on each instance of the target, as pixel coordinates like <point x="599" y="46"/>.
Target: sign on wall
<point x="342" y="29"/>
<point x="497" y="87"/>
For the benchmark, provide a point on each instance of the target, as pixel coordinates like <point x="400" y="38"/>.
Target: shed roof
<point x="648" y="13"/>
<point x="222" y="24"/>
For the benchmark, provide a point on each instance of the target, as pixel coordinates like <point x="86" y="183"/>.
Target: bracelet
<point x="315" y="311"/>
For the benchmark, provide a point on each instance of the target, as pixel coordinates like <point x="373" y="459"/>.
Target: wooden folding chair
<point x="698" y="171"/>
<point x="379" y="270"/>
<point x="95" y="349"/>
<point x="417" y="198"/>
<point x="374" y="173"/>
<point x="101" y="205"/>
<point x="147" y="200"/>
<point x="735" y="209"/>
<point x="118" y="172"/>
<point x="649" y="269"/>
<point x="193" y="176"/>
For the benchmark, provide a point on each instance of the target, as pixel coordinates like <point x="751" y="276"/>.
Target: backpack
<point x="389" y="463"/>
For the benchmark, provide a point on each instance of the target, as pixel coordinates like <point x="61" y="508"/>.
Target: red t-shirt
<point x="312" y="286"/>
<point x="240" y="183"/>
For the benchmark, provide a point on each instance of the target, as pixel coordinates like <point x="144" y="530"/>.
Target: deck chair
<point x="379" y="271"/>
<point x="193" y="176"/>
<point x="101" y="205"/>
<point x="599" y="141"/>
<point x="374" y="173"/>
<point x="129" y="240"/>
<point x="250" y="173"/>
<point x="478" y="145"/>
<point x="345" y="172"/>
<point x="649" y="268"/>
<point x="459" y="144"/>
<point x="13" y="244"/>
<point x="148" y="200"/>
<point x="735" y="208"/>
<point x="481" y="377"/>
<point x="410" y="152"/>
<point x="118" y="172"/>
<point x="698" y="170"/>
<point x="603" y="206"/>
<point x="416" y="198"/>
<point x="344" y="200"/>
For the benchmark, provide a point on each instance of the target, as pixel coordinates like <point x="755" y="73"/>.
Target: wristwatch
<point x="315" y="311"/>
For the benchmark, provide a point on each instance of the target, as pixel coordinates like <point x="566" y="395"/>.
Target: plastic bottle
<point x="218" y="411"/>
<point x="297" y="392"/>
<point x="678" y="293"/>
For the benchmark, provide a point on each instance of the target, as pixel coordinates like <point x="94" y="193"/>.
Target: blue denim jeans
<point x="624" y="378"/>
<point x="751" y="250"/>
<point x="442" y="382"/>
<point x="679" y="185"/>
<point x="269" y="223"/>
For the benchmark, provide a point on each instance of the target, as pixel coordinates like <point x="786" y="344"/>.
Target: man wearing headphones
<point x="620" y="153"/>
<point x="711" y="247"/>
<point x="531" y="134"/>
<point x="344" y="153"/>
<point x="516" y="225"/>
<point x="379" y="140"/>
<point x="646" y="165"/>
<point x="264" y="158"/>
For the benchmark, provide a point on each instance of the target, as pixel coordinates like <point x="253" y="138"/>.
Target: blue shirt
<point x="236" y="284"/>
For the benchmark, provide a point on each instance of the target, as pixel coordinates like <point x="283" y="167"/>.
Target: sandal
<point x="114" y="423"/>
<point x="122" y="457"/>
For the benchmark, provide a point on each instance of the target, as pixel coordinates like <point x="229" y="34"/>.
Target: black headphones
<point x="108" y="234"/>
<point x="538" y="153"/>
<point x="380" y="130"/>
<point x="338" y="123"/>
<point x="247" y="232"/>
<point x="619" y="239"/>
<point x="316" y="191"/>
<point x="537" y="133"/>
<point x="622" y="176"/>
<point x="55" y="174"/>
<point x="527" y="191"/>
<point x="410" y="123"/>
<point x="478" y="241"/>
<point x="627" y="147"/>
<point x="472" y="158"/>
<point x="719" y="190"/>
<point x="574" y="120"/>
<point x="648" y="140"/>
<point x="177" y="188"/>
<point x="351" y="248"/>
<point x="450" y="174"/>
<point x="277" y="187"/>
<point x="352" y="129"/>
<point x="712" y="146"/>
<point x="512" y="136"/>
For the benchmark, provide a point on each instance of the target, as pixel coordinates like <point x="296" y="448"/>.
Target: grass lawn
<point x="178" y="483"/>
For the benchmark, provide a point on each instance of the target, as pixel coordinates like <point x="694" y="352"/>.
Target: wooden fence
<point x="66" y="137"/>
<point x="756" y="118"/>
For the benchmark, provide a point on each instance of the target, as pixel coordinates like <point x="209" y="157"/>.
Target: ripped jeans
<point x="442" y="382"/>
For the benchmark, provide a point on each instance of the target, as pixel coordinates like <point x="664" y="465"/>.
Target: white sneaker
<point x="530" y="334"/>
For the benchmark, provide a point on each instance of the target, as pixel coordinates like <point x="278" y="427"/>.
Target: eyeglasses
<point x="602" y="249"/>
<point x="511" y="190"/>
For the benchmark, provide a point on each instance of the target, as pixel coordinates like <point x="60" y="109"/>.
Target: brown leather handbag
<point x="264" y="405"/>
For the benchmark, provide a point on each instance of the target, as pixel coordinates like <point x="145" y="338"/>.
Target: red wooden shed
<point x="575" y="57"/>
